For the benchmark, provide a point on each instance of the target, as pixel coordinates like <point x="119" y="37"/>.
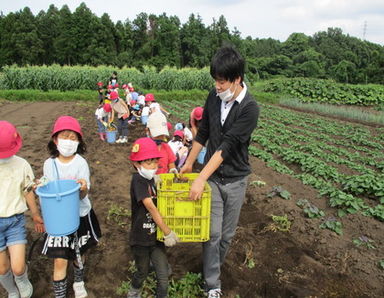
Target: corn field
<point x="65" y="78"/>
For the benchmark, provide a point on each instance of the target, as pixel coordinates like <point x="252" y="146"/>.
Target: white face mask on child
<point x="5" y="160"/>
<point x="67" y="147"/>
<point x="146" y="173"/>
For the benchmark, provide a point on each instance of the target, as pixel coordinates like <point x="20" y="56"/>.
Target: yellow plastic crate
<point x="190" y="220"/>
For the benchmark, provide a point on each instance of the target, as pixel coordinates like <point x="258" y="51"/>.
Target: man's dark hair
<point x="227" y="64"/>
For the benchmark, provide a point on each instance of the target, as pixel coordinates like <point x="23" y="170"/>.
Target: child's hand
<point x="171" y="239"/>
<point x="83" y="184"/>
<point x="39" y="223"/>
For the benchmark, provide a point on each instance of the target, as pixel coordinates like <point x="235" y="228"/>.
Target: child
<point x="178" y="148"/>
<point x="16" y="177"/>
<point x="145" y="113"/>
<point x="113" y="79"/>
<point x="157" y="130"/>
<point x="195" y="119"/>
<point x="119" y="106"/>
<point x="65" y="162"/>
<point x="100" y="91"/>
<point x="145" y="217"/>
<point x="188" y="137"/>
<point x="102" y="118"/>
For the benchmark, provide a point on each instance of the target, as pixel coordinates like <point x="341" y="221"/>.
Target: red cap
<point x="109" y="86"/>
<point x="125" y="86"/>
<point x="132" y="102"/>
<point x="66" y="123"/>
<point x="113" y="95"/>
<point x="198" y="113"/>
<point x="116" y="85"/>
<point x="169" y="125"/>
<point x="107" y="107"/>
<point x="10" y="140"/>
<point x="178" y="133"/>
<point x="144" y="148"/>
<point x="149" y="97"/>
<point x="100" y="83"/>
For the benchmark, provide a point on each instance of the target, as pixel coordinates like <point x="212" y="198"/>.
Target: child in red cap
<point x="195" y="119"/>
<point x="16" y="179"/>
<point x="145" y="217"/>
<point x="65" y="162"/>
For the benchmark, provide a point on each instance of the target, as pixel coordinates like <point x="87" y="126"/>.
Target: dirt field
<point x="304" y="262"/>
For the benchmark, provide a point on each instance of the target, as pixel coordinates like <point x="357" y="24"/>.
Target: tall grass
<point x="68" y="78"/>
<point x="347" y="112"/>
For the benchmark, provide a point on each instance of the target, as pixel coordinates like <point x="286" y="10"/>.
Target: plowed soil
<point x="306" y="261"/>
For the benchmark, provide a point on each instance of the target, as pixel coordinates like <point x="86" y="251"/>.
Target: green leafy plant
<point x="279" y="191"/>
<point x="258" y="183"/>
<point x="188" y="286"/>
<point x="280" y="223"/>
<point x="309" y="209"/>
<point x="364" y="241"/>
<point x="332" y="224"/>
<point x="119" y="215"/>
<point x="381" y="264"/>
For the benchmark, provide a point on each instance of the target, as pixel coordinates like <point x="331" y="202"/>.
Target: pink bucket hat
<point x="10" y="140"/>
<point x="178" y="133"/>
<point x="66" y="123"/>
<point x="198" y="113"/>
<point x="144" y="148"/>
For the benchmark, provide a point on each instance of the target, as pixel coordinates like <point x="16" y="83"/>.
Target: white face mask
<point x="146" y="173"/>
<point x="226" y="95"/>
<point x="5" y="160"/>
<point x="67" y="147"/>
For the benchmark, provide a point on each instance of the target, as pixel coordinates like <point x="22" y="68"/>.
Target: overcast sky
<point x="259" y="19"/>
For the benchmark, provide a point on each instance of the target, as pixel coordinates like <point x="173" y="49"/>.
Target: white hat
<point x="157" y="124"/>
<point x="155" y="106"/>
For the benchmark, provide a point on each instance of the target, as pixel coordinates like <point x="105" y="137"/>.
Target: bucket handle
<point x="55" y="170"/>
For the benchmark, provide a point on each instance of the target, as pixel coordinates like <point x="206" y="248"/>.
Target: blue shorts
<point x="12" y="231"/>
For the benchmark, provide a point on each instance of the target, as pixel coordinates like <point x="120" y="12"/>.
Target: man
<point x="229" y="118"/>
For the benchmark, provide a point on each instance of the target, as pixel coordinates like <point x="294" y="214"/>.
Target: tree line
<point x="59" y="36"/>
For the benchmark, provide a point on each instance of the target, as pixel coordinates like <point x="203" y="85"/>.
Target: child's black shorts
<point x="88" y="235"/>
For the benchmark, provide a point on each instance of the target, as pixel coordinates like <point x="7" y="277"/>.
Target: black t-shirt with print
<point x="143" y="228"/>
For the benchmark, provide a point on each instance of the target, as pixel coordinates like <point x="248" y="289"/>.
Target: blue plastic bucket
<point x="111" y="136"/>
<point x="200" y="157"/>
<point x="59" y="202"/>
<point x="144" y="120"/>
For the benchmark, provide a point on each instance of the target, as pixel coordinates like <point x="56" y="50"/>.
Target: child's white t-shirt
<point x="100" y="113"/>
<point x="188" y="134"/>
<point x="141" y="100"/>
<point x="145" y="111"/>
<point x="175" y="145"/>
<point x="15" y="175"/>
<point x="77" y="168"/>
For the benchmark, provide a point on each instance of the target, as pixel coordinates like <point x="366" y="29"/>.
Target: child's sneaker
<point x="134" y="293"/>
<point x="79" y="289"/>
<point x="119" y="140"/>
<point x="124" y="140"/>
<point x="214" y="293"/>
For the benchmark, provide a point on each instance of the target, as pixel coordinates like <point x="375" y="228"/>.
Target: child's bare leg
<point x="60" y="277"/>
<point x="17" y="255"/>
<point x="4" y="262"/>
<point x="6" y="276"/>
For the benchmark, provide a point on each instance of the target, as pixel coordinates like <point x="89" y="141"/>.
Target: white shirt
<point x="188" y="134"/>
<point x="226" y="107"/>
<point x="15" y="175"/>
<point x="175" y="145"/>
<point x="145" y="111"/>
<point x="141" y="100"/>
<point x="100" y="113"/>
<point x="77" y="168"/>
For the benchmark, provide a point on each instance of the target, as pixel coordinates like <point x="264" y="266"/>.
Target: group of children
<point x="150" y="155"/>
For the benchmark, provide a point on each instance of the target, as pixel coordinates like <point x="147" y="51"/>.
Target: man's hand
<point x="171" y="239"/>
<point x="187" y="168"/>
<point x="197" y="189"/>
